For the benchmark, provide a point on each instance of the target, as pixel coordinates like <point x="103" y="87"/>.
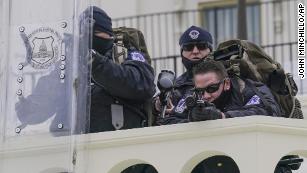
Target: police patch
<point x="137" y="56"/>
<point x="194" y="34"/>
<point x="254" y="100"/>
<point x="181" y="106"/>
<point x="43" y="47"/>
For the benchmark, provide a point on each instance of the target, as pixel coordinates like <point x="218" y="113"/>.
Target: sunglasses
<point x="199" y="45"/>
<point x="210" y="89"/>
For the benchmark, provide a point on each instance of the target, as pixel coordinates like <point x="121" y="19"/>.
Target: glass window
<point x="222" y="23"/>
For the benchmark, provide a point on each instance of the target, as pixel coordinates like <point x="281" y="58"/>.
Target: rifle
<point x="165" y="84"/>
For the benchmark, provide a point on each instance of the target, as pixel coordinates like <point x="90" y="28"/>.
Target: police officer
<point x="195" y="45"/>
<point x="119" y="91"/>
<point x="218" y="96"/>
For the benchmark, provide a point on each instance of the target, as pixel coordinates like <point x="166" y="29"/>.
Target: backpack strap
<point x="119" y="50"/>
<point x="148" y="110"/>
<point x="239" y="86"/>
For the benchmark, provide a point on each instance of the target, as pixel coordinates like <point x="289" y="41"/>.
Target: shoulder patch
<point x="181" y="106"/>
<point x="136" y="56"/>
<point x="253" y="101"/>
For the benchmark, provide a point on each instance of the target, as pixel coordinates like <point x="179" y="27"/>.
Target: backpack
<point x="247" y="60"/>
<point x="129" y="39"/>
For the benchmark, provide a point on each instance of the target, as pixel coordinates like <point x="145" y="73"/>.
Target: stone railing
<point x="255" y="143"/>
<point x="303" y="101"/>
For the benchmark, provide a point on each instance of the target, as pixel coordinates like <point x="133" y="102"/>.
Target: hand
<point x="170" y="120"/>
<point x="169" y="106"/>
<point x="201" y="112"/>
<point x="98" y="56"/>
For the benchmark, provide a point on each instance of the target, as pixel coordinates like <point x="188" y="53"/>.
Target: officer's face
<point x="212" y="84"/>
<point x="195" y="52"/>
<point x="102" y="34"/>
<point x="102" y="42"/>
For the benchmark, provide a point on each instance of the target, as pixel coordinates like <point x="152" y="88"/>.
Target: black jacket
<point x="183" y="84"/>
<point x="254" y="98"/>
<point x="129" y="85"/>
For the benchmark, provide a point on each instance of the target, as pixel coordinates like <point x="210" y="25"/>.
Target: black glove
<point x="171" y="120"/>
<point x="98" y="57"/>
<point x="285" y="169"/>
<point x="288" y="163"/>
<point x="205" y="111"/>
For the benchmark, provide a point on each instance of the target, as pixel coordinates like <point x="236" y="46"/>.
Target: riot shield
<point x="45" y="77"/>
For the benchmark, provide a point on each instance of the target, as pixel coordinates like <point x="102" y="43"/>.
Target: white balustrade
<point x="255" y="143"/>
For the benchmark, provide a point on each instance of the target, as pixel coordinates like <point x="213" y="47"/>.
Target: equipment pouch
<point x="117" y="116"/>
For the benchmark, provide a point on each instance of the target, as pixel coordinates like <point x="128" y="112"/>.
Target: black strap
<point x="237" y="88"/>
<point x="264" y="101"/>
<point x="148" y="109"/>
